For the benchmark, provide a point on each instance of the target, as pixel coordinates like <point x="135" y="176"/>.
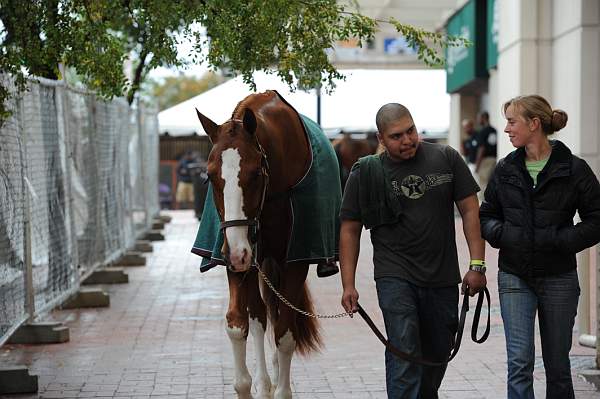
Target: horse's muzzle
<point x="243" y="263"/>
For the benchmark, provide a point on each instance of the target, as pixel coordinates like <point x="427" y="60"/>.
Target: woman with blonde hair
<point x="528" y="213"/>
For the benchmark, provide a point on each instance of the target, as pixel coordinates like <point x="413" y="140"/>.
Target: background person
<point x="406" y="196"/>
<point x="486" y="142"/>
<point x="469" y="144"/>
<point x="185" y="189"/>
<point x="528" y="213"/>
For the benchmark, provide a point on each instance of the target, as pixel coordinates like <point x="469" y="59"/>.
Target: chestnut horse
<point x="349" y="150"/>
<point x="257" y="158"/>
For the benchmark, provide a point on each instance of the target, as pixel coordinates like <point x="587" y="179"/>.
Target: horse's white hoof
<point x="242" y="388"/>
<point x="264" y="390"/>
<point x="245" y="395"/>
<point x="283" y="394"/>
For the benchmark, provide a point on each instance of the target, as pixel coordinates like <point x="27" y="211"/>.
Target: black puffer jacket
<point x="533" y="227"/>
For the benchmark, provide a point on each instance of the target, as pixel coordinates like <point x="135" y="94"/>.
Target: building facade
<point x="546" y="47"/>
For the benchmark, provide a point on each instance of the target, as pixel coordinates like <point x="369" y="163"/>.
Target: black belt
<point x="457" y="338"/>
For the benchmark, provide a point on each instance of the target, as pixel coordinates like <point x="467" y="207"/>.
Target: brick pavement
<point x="164" y="337"/>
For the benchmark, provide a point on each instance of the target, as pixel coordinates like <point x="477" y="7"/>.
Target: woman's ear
<point x="534" y="124"/>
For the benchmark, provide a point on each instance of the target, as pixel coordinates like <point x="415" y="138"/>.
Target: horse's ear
<point x="249" y="121"/>
<point x="209" y="126"/>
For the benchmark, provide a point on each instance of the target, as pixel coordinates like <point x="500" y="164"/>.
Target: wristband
<point x="477" y="262"/>
<point x="477" y="268"/>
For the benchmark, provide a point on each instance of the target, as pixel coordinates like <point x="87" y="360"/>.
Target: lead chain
<point x="290" y="305"/>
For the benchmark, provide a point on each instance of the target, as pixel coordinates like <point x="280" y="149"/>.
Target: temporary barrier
<point x="78" y="185"/>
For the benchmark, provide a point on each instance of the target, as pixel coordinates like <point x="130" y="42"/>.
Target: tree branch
<point x="137" y="78"/>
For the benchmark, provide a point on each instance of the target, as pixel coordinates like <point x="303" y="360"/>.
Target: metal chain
<point x="291" y="306"/>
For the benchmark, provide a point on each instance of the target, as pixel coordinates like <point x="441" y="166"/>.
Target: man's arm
<point x="469" y="211"/>
<point x="349" y="249"/>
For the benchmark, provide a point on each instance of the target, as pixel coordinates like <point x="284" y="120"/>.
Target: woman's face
<point x="517" y="127"/>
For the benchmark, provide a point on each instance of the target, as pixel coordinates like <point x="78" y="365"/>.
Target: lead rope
<point x="403" y="355"/>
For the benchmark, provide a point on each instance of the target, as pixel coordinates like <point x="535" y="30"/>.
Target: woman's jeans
<point x="555" y="299"/>
<point x="420" y="321"/>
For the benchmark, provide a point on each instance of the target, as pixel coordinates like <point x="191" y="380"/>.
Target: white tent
<point x="352" y="105"/>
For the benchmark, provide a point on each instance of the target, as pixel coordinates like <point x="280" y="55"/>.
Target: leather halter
<point x="254" y="222"/>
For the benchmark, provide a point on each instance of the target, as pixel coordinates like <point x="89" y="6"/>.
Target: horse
<point x="348" y="151"/>
<point x="258" y="160"/>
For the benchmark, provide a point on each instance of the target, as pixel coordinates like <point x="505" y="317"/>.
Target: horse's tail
<point x="309" y="337"/>
<point x="305" y="329"/>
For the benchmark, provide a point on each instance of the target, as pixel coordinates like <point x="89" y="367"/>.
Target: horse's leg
<point x="237" y="329"/>
<point x="286" y="332"/>
<point x="275" y="362"/>
<point x="258" y="325"/>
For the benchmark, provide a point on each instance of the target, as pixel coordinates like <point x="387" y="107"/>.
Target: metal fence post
<point x="26" y="187"/>
<point x="142" y="166"/>
<point x="69" y="162"/>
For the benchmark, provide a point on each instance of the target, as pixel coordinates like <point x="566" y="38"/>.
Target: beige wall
<point x="551" y="48"/>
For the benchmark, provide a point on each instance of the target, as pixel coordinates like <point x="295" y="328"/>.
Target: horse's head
<point x="238" y="173"/>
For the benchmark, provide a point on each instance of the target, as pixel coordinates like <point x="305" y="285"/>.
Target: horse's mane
<point x="238" y="111"/>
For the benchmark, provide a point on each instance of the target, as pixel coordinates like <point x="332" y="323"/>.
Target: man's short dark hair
<point x="390" y="113"/>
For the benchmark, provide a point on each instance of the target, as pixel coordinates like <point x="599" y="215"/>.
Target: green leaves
<point x="290" y="38"/>
<point x="175" y="89"/>
<point x="429" y="45"/>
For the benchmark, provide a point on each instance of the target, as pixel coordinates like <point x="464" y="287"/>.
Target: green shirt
<point x="534" y="168"/>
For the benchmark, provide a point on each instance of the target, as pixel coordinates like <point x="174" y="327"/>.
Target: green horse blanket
<point x="315" y="203"/>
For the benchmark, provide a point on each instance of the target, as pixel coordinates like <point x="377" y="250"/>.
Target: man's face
<point x="469" y="128"/>
<point x="400" y="139"/>
<point x="483" y="120"/>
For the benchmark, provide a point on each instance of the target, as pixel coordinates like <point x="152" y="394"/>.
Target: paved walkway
<point x="164" y="337"/>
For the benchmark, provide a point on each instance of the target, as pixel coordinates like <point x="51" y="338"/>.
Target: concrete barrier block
<point x="164" y="218"/>
<point x="143" y="246"/>
<point x="154" y="235"/>
<point x="592" y="376"/>
<point x="17" y="380"/>
<point x="131" y="259"/>
<point x="87" y="298"/>
<point x="158" y="225"/>
<point x="107" y="275"/>
<point x="40" y="333"/>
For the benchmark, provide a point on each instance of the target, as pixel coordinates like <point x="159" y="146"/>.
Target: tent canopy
<point x="352" y="106"/>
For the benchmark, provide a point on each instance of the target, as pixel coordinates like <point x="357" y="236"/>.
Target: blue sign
<point x="397" y="45"/>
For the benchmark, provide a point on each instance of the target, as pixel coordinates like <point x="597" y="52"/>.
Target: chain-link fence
<point x="78" y="185"/>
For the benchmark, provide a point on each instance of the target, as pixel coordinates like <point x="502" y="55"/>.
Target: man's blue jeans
<point x="555" y="299"/>
<point x="420" y="321"/>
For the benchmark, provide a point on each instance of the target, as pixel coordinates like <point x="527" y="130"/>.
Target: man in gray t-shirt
<point x="414" y="254"/>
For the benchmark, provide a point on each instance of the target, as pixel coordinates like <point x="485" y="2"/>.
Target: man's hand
<point x="474" y="282"/>
<point x="350" y="300"/>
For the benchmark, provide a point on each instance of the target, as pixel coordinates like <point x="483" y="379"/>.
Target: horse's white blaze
<point x="285" y="351"/>
<point x="240" y="252"/>
<point x="261" y="379"/>
<point x="243" y="381"/>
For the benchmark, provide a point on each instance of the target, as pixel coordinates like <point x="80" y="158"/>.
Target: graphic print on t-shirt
<point x="414" y="187"/>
